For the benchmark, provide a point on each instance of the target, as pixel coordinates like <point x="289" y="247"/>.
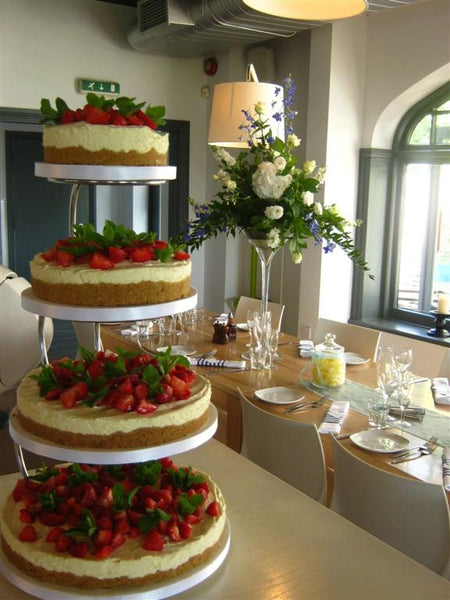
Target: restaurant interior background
<point x="355" y="80"/>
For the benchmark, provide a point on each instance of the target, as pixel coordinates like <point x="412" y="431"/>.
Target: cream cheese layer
<point x="105" y="421"/>
<point x="123" y="273"/>
<point x="129" y="560"/>
<point x="105" y="137"/>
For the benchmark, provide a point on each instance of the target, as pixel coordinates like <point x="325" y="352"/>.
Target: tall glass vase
<point x="266" y="255"/>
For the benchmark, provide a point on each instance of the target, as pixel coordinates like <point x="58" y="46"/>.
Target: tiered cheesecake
<point x="121" y="400"/>
<point x="104" y="132"/>
<point x="118" y="268"/>
<point x="109" y="527"/>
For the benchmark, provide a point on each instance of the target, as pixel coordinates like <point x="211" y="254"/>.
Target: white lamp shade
<point x="230" y="99"/>
<point x="309" y="10"/>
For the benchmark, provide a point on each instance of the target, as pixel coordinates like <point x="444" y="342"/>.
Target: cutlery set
<point x="305" y="404"/>
<point x="416" y="452"/>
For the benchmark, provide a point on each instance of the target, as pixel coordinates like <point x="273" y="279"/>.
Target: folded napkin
<point x="446" y="468"/>
<point x="217" y="362"/>
<point x="128" y="332"/>
<point x="440" y="390"/>
<point x="411" y="412"/>
<point x="306" y="348"/>
<point x="334" y="418"/>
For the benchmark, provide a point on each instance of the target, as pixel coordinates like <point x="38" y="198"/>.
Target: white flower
<point x="259" y="107"/>
<point x="297" y="257"/>
<point x="274" y="212"/>
<point x="308" y="198"/>
<point x="273" y="238"/>
<point x="293" y="140"/>
<point x="320" y="175"/>
<point x="230" y="185"/>
<point x="317" y="208"/>
<point x="309" y="166"/>
<point x="224" y="156"/>
<point x="267" y="184"/>
<point x="280" y="162"/>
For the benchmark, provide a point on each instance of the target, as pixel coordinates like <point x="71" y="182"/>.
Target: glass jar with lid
<point x="328" y="363"/>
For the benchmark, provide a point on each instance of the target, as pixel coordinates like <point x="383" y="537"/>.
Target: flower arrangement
<point x="265" y="192"/>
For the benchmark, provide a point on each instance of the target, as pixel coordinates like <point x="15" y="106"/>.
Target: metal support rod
<point x="20" y="460"/>
<point x="42" y="344"/>
<point x="73" y="206"/>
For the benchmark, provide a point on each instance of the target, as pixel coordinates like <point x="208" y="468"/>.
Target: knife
<point x="412" y="456"/>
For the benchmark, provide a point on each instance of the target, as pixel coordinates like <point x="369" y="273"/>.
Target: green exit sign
<point x="99" y="87"/>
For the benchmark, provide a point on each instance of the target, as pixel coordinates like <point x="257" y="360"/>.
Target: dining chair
<point x="361" y="340"/>
<point x="408" y="514"/>
<point x="245" y="303"/>
<point x="429" y="360"/>
<point x="289" y="449"/>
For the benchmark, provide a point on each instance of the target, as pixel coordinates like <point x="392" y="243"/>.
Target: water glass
<point x="378" y="410"/>
<point x="258" y="356"/>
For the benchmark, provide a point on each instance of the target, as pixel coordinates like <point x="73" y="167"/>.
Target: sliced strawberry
<point x="103" y="537"/>
<point x="134" y="120"/>
<point x="63" y="542"/>
<point x="122" y="526"/>
<point x="80" y="114"/>
<point x="145" y="120"/>
<point x="118" y="539"/>
<point x="53" y="394"/>
<point x="51" y="519"/>
<point x="213" y="509"/>
<point x="49" y="255"/>
<point x="154" y="541"/>
<point x="69" y="398"/>
<point x="192" y="519"/>
<point x="96" y="115"/>
<point x="126" y="387"/>
<point x="103" y="551"/>
<point x="166" y="395"/>
<point x="159" y="244"/>
<point x="185" y="530"/>
<point x="81" y="388"/>
<point x="145" y="408"/>
<point x="181" y="255"/>
<point x="54" y="534"/>
<point x="28" y="534"/>
<point x="116" y="254"/>
<point x="125" y="403"/>
<point x="68" y="116"/>
<point x="173" y="531"/>
<point x="104" y="522"/>
<point x="180" y="388"/>
<point x="100" y="261"/>
<point x="139" y="360"/>
<point x="64" y="259"/>
<point x="96" y="368"/>
<point x="78" y="549"/>
<point x="140" y="391"/>
<point x="106" y="498"/>
<point x="143" y="254"/>
<point x="119" y="120"/>
<point x="26" y="516"/>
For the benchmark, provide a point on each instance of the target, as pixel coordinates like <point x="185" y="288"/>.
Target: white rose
<point x="308" y="198"/>
<point x="320" y="175"/>
<point x="293" y="140"/>
<point x="280" y="162"/>
<point x="231" y="185"/>
<point x="317" y="208"/>
<point x="273" y="238"/>
<point x="297" y="257"/>
<point x="267" y="184"/>
<point x="225" y="156"/>
<point x="274" y="212"/>
<point x="309" y="166"/>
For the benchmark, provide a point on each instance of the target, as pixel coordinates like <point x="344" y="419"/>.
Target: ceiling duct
<point x="187" y="28"/>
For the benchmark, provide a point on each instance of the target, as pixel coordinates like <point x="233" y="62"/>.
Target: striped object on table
<point x="334" y="418"/>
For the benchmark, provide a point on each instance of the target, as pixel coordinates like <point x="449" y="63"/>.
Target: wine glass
<point x="388" y="374"/>
<point x="403" y="358"/>
<point x="404" y="398"/>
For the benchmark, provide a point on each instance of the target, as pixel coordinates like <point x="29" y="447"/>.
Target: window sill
<point x="417" y="332"/>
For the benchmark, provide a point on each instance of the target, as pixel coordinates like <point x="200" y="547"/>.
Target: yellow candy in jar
<point x="329" y="372"/>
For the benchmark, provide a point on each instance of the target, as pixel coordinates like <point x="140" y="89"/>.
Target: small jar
<point x="328" y="363"/>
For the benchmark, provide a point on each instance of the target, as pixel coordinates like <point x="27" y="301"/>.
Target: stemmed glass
<point x="404" y="397"/>
<point x="403" y="358"/>
<point x="388" y="374"/>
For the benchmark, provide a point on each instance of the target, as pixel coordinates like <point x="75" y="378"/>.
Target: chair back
<point x="410" y="515"/>
<point x="245" y="303"/>
<point x="289" y="449"/>
<point x="362" y="340"/>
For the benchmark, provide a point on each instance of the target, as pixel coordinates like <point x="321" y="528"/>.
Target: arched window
<point x="404" y="201"/>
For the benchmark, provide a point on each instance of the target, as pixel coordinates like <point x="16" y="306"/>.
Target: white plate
<point x="183" y="350"/>
<point x="278" y="395"/>
<point x="351" y="358"/>
<point x="242" y="326"/>
<point x="379" y="441"/>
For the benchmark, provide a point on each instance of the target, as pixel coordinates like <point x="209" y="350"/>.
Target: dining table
<point x="294" y="371"/>
<point x="282" y="546"/>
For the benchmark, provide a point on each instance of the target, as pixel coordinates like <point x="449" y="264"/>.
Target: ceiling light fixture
<point x="231" y="99"/>
<point x="309" y="10"/>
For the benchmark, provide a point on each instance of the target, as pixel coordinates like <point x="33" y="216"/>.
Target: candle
<point x="443" y="304"/>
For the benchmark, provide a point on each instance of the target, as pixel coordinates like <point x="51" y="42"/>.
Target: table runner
<point x="433" y="423"/>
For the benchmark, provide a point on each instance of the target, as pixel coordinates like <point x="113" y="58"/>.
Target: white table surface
<point x="285" y="546"/>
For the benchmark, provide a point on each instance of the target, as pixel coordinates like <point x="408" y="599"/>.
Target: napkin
<point x="217" y="362"/>
<point x="334" y="418"/>
<point x="446" y="468"/>
<point x="440" y="390"/>
<point x="306" y="348"/>
<point x="411" y="412"/>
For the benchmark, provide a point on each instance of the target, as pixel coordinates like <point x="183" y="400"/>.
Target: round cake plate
<point x="105" y="174"/>
<point x="112" y="456"/>
<point x="157" y="591"/>
<point x="105" y="314"/>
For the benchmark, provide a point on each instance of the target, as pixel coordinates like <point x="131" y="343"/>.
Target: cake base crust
<point x="68" y="579"/>
<point x="140" y="438"/>
<point x="103" y="294"/>
<point x="75" y="155"/>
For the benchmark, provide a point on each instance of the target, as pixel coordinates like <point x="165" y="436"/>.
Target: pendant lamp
<point x="229" y="101"/>
<point x="309" y="10"/>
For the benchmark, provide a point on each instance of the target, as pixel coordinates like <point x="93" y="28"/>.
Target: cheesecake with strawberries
<point x="94" y="527"/>
<point x="104" y="132"/>
<point x="116" y="268"/>
<point x="114" y="400"/>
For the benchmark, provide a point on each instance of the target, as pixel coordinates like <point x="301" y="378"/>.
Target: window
<point x="420" y="239"/>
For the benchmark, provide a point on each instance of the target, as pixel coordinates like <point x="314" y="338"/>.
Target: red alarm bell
<point x="210" y="66"/>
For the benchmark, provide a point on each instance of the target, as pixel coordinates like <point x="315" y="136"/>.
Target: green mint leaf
<point x="150" y="520"/>
<point x="187" y="504"/>
<point x="44" y="473"/>
<point x="147" y="472"/>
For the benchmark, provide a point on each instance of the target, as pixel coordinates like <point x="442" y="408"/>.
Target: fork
<point x="302" y="405"/>
<point x="416" y="454"/>
<point x="424" y="446"/>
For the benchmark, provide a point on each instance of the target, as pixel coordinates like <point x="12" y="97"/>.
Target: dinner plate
<point x="242" y="326"/>
<point x="278" y="395"/>
<point x="183" y="350"/>
<point x="351" y="358"/>
<point x="379" y="441"/>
